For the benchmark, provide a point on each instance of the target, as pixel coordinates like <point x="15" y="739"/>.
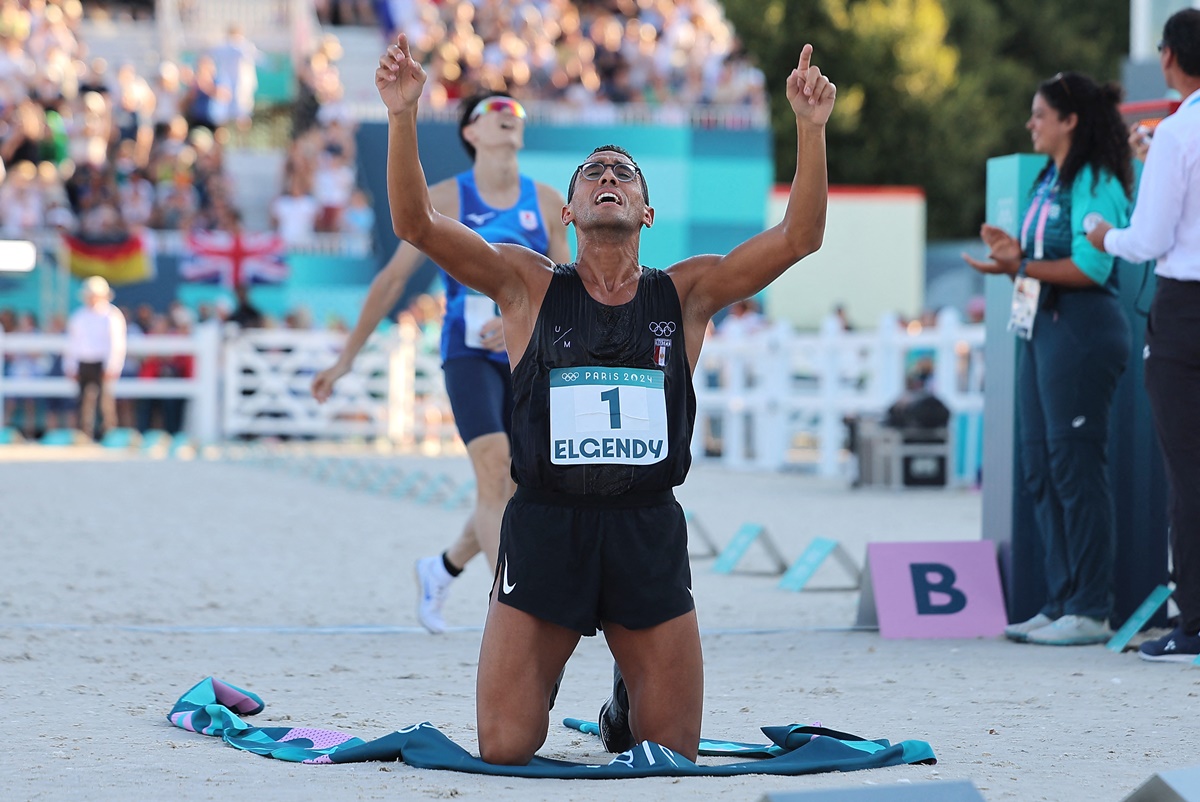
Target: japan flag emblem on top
<point x="529" y="220"/>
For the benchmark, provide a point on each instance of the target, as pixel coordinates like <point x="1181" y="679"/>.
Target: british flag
<point x="234" y="259"/>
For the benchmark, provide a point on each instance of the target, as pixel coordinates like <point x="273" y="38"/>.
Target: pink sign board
<point x="949" y="589"/>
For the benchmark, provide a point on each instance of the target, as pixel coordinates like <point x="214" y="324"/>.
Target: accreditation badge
<point x="607" y="416"/>
<point x="478" y="309"/>
<point x="1026" y="291"/>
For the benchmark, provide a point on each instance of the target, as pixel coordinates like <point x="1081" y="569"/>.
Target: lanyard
<point x="1041" y="208"/>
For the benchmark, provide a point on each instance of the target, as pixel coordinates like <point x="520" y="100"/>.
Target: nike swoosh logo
<point x="505" y="587"/>
<point x="480" y="219"/>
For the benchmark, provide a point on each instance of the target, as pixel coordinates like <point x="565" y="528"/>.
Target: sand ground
<point x="126" y="580"/>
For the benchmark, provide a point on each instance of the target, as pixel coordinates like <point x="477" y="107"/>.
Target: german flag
<point x="124" y="261"/>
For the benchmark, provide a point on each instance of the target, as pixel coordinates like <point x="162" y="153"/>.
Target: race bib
<point x="607" y="416"/>
<point x="477" y="310"/>
<point x="1024" y="306"/>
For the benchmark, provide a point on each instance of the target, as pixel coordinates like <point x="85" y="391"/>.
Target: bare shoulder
<point x="550" y="200"/>
<point x="525" y="259"/>
<point x="548" y="194"/>
<point x="534" y="271"/>
<point x="444" y="197"/>
<point x="686" y="272"/>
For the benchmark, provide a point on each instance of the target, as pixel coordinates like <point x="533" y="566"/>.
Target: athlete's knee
<point x="497" y="744"/>
<point x="492" y="461"/>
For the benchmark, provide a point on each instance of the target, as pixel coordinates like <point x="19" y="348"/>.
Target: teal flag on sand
<point x="215" y="708"/>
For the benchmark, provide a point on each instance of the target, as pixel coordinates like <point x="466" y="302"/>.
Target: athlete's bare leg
<point x="466" y="546"/>
<point x="491" y="458"/>
<point x="663" y="667"/>
<point x="519" y="661"/>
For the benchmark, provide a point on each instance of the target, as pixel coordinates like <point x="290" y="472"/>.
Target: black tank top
<point x="603" y="398"/>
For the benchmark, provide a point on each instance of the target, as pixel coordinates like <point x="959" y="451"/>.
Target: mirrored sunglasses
<point x="488" y="105"/>
<point x="623" y="172"/>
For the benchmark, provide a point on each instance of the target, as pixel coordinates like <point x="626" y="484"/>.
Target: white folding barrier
<point x="764" y="402"/>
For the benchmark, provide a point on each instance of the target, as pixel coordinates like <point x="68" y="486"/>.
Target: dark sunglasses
<point x="623" y="172"/>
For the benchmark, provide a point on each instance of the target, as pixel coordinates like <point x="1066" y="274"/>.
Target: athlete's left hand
<point x="810" y="93"/>
<point x="491" y="335"/>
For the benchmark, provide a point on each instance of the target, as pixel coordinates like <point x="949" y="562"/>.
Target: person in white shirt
<point x="294" y="214"/>
<point x="1166" y="227"/>
<point x="95" y="354"/>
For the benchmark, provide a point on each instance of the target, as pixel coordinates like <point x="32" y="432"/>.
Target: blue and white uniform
<point x="477" y="380"/>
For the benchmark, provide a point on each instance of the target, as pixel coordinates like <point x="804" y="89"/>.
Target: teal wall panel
<point x="718" y="238"/>
<point x="728" y="191"/>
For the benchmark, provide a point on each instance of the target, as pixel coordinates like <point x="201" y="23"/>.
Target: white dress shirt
<point x="95" y="334"/>
<point x="1166" y="219"/>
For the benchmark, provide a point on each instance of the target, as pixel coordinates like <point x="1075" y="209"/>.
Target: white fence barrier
<point x="763" y="402"/>
<point x="778" y="397"/>
<point x="203" y="346"/>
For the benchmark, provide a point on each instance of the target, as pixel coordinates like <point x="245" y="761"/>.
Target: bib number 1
<point x="607" y="416"/>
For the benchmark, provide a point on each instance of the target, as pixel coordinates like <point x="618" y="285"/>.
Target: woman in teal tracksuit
<point x="1073" y="346"/>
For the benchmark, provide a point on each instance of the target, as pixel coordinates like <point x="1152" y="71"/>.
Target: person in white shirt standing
<point x="1166" y="227"/>
<point x="95" y="354"/>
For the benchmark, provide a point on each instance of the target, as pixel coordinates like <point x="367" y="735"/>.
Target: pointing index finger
<point x="805" y="59"/>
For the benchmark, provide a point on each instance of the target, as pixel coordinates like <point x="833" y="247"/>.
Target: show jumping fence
<point x="770" y="401"/>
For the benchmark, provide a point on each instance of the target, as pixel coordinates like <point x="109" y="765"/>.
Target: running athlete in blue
<point x="602" y="352"/>
<point x="502" y="206"/>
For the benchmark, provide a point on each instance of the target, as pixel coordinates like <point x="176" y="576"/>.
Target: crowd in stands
<point x="584" y="54"/>
<point x="95" y="149"/>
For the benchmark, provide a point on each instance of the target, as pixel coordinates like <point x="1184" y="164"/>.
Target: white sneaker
<point x="1071" y="630"/>
<point x="433" y="583"/>
<point x="1020" y="632"/>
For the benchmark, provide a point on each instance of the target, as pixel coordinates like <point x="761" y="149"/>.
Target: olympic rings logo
<point x="570" y="377"/>
<point x="663" y="329"/>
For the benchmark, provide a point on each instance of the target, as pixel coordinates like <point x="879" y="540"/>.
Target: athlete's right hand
<point x="399" y="78"/>
<point x="322" y="386"/>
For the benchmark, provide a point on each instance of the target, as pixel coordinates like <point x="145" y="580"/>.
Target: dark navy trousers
<point x="1066" y="377"/>
<point x="1172" y="380"/>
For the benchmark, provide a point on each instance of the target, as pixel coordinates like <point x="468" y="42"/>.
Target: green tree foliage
<point x="928" y="90"/>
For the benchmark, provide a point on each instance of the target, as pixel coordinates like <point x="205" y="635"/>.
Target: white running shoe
<point x="1020" y="632"/>
<point x="1071" y="630"/>
<point x="433" y="583"/>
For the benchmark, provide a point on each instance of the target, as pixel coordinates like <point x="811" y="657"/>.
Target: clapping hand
<point x="810" y="93"/>
<point x="1004" y="252"/>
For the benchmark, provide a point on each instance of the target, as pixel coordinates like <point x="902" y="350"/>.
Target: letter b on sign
<point x="948" y="589"/>
<point x="931" y="578"/>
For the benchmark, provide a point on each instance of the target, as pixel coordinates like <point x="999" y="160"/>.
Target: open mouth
<point x="607" y="197"/>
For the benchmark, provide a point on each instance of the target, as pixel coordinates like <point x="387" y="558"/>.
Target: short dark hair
<point x="613" y="149"/>
<point x="465" y="107"/>
<point x="1182" y="34"/>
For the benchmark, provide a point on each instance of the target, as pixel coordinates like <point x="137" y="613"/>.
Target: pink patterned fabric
<point x="321" y="739"/>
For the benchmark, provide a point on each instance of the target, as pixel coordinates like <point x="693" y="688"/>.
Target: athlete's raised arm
<point x="495" y="270"/>
<point x="710" y="283"/>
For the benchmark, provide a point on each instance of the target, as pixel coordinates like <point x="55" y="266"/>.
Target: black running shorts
<point x="582" y="561"/>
